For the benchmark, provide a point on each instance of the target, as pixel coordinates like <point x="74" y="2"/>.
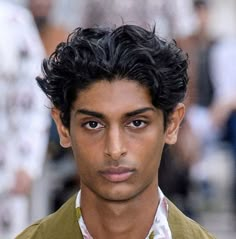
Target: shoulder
<point x="31" y="232"/>
<point x="59" y="225"/>
<point x="183" y="227"/>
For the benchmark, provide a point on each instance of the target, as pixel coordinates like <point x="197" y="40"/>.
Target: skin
<point x="23" y="183"/>
<point x="117" y="137"/>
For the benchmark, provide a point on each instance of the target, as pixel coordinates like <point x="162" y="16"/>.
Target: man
<point x="116" y="97"/>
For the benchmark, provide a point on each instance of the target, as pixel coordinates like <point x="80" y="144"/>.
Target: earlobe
<point x="174" y="124"/>
<point x="61" y="129"/>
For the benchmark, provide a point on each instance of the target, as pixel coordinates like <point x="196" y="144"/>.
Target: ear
<point x="173" y="125"/>
<point x="63" y="131"/>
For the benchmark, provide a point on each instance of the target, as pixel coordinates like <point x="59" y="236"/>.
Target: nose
<point x="115" y="145"/>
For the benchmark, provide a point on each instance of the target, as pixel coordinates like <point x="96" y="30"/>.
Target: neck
<point x="119" y="219"/>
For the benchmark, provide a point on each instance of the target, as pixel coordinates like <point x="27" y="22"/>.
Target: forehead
<point x="113" y="96"/>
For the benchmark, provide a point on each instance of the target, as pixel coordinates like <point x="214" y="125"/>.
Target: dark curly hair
<point x="129" y="51"/>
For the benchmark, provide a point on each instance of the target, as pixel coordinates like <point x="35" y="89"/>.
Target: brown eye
<point x="93" y="125"/>
<point x="137" y="124"/>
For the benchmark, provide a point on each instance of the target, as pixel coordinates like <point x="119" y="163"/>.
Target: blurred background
<point x="198" y="173"/>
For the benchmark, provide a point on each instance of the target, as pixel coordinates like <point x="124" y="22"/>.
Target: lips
<point x="117" y="174"/>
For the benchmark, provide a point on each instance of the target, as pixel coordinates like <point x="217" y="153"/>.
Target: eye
<point x="92" y="125"/>
<point x="137" y="124"/>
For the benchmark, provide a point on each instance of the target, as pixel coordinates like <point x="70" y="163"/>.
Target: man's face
<point x="117" y="137"/>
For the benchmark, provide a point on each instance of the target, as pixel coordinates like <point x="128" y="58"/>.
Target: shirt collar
<point x="159" y="230"/>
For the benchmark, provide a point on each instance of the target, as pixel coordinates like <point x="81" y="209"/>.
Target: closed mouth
<point x="117" y="174"/>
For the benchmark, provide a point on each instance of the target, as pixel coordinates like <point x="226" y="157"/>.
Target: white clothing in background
<point x="24" y="117"/>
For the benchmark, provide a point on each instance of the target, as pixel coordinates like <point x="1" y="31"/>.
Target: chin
<point x="118" y="195"/>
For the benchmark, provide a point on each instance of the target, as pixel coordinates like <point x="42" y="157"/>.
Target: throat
<point x="120" y="219"/>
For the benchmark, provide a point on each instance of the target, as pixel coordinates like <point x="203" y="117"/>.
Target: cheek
<point x="86" y="165"/>
<point x="149" y="150"/>
<point x="81" y="145"/>
<point x="86" y="154"/>
<point x="151" y="156"/>
<point x="152" y="142"/>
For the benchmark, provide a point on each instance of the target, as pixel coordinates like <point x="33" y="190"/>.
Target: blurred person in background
<point x="51" y="32"/>
<point x="24" y="118"/>
<point x="188" y="151"/>
<point x="202" y="93"/>
<point x="223" y="110"/>
<point x="212" y="112"/>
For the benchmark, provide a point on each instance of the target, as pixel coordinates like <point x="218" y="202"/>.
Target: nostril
<point x="116" y="155"/>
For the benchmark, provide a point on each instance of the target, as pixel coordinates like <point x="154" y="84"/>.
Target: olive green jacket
<point x="63" y="224"/>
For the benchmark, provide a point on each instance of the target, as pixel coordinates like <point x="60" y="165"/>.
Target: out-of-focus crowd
<point x="37" y="175"/>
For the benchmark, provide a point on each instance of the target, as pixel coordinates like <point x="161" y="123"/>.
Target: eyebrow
<point x="90" y="113"/>
<point x="101" y="116"/>
<point x="139" y="111"/>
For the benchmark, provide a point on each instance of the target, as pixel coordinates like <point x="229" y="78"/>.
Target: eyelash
<point x="131" y="124"/>
<point x="86" y="125"/>
<point x="143" y="124"/>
